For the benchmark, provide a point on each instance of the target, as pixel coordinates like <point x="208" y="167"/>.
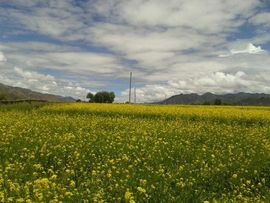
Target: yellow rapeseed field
<point x="80" y="152"/>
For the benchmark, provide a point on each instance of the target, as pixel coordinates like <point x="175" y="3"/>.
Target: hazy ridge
<point x="18" y="93"/>
<point x="241" y="98"/>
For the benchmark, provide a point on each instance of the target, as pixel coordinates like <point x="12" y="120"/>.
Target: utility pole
<point x="134" y="95"/>
<point x="130" y="80"/>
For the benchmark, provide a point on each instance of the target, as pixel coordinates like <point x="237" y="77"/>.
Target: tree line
<point x="101" y="97"/>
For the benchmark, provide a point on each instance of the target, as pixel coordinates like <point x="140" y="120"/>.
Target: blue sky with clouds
<point x="70" y="47"/>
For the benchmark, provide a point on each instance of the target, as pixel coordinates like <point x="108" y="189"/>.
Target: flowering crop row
<point x="134" y="153"/>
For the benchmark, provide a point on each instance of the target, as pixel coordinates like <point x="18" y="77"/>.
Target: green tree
<point x="217" y="102"/>
<point x="101" y="97"/>
<point x="111" y="97"/>
<point x="90" y="96"/>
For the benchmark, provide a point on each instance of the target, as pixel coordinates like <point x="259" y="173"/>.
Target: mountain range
<point x="253" y="99"/>
<point x="18" y="93"/>
<point x="258" y="99"/>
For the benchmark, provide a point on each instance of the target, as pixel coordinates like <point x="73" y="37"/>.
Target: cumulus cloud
<point x="45" y="83"/>
<point x="41" y="82"/>
<point x="74" y="68"/>
<point x="218" y="82"/>
<point x="33" y="75"/>
<point x="250" y="49"/>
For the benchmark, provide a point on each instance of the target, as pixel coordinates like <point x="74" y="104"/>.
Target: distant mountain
<point x="258" y="99"/>
<point x="18" y="93"/>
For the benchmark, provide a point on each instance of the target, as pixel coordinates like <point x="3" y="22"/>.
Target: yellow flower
<point x="109" y="175"/>
<point x="140" y="189"/>
<point x="2" y="197"/>
<point x="128" y="195"/>
<point x="37" y="166"/>
<point x="20" y="200"/>
<point x="68" y="194"/>
<point x="143" y="182"/>
<point x="94" y="173"/>
<point x="53" y="177"/>
<point x="125" y="157"/>
<point x="72" y="183"/>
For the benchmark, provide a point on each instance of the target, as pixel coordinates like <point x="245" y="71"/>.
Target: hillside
<point x="241" y="98"/>
<point x="17" y="93"/>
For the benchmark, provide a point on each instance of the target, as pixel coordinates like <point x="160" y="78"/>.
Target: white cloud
<point x="211" y="15"/>
<point x="45" y="83"/>
<point x="63" y="58"/>
<point x="45" y="89"/>
<point x="85" y="62"/>
<point x="37" y="47"/>
<point x="169" y="75"/>
<point x="33" y="75"/>
<point x="35" y="54"/>
<point x="2" y="57"/>
<point x="68" y="88"/>
<point x="261" y="19"/>
<point x="250" y="49"/>
<point x="167" y="45"/>
<point x="218" y="82"/>
<point x="54" y="18"/>
<point x="74" y="68"/>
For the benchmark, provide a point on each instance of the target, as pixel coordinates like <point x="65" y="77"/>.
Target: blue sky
<point x="71" y="47"/>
